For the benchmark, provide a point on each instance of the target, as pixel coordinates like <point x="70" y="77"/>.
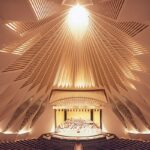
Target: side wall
<point x="45" y="124"/>
<point x="112" y="124"/>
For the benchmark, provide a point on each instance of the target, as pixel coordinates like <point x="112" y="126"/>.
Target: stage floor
<point x="78" y="129"/>
<point x="78" y="136"/>
<point x="79" y="133"/>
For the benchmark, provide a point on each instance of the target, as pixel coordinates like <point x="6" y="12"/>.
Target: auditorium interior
<point x="74" y="74"/>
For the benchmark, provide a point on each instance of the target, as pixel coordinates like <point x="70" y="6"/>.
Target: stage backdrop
<point x="77" y="114"/>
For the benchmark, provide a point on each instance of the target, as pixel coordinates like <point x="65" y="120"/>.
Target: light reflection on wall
<point x="11" y="26"/>
<point x="132" y="86"/>
<point x="137" y="132"/>
<point x="23" y="131"/>
<point x="53" y="128"/>
<point x="104" y="128"/>
<point x="8" y="132"/>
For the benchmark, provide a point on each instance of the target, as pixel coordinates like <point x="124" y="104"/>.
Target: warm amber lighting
<point x="11" y="26"/>
<point x="8" y="132"/>
<point x="104" y="129"/>
<point x="83" y="81"/>
<point x="42" y="8"/>
<point x="23" y="131"/>
<point x="83" y="84"/>
<point x="52" y="128"/>
<point x="137" y="132"/>
<point x="132" y="86"/>
<point x="80" y="84"/>
<point x="78" y="20"/>
<point x="78" y="115"/>
<point x="78" y="16"/>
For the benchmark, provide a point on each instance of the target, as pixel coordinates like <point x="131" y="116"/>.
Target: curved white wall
<point x="112" y="124"/>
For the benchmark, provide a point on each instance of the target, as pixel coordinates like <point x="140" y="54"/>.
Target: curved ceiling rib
<point x="107" y="56"/>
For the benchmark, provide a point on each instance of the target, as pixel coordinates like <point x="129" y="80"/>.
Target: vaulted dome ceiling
<point x="113" y="54"/>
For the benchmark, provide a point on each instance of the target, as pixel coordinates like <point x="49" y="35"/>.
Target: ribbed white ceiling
<point x="107" y="57"/>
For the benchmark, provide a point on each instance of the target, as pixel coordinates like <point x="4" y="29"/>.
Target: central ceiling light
<point x="78" y="20"/>
<point x="78" y="16"/>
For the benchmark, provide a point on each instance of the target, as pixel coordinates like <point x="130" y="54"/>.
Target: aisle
<point x="78" y="146"/>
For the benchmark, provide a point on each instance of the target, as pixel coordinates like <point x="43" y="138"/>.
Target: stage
<point x="78" y="129"/>
<point x="78" y="138"/>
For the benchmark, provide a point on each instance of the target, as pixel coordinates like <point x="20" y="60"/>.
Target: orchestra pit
<point x="74" y="75"/>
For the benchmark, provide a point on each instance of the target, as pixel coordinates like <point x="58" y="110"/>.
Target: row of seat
<point x="61" y="144"/>
<point x="38" y="144"/>
<point x="116" y="144"/>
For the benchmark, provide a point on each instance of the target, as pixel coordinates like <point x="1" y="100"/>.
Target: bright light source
<point x="78" y="17"/>
<point x="78" y="20"/>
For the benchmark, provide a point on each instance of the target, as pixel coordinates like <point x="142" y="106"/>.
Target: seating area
<point x="116" y="144"/>
<point x="32" y="144"/>
<point x="60" y="144"/>
<point x="38" y="144"/>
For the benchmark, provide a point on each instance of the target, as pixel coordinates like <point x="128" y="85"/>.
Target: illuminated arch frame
<point x="79" y="90"/>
